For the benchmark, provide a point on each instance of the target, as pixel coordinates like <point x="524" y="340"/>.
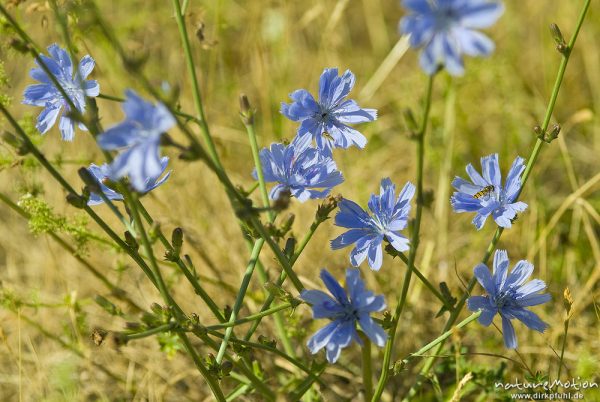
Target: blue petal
<point x="67" y="128"/>
<point x="373" y="330"/>
<point x="120" y="136"/>
<point x="39" y="94"/>
<point x="508" y="332"/>
<point x="398" y="241"/>
<point x="334" y="287"/>
<point x="500" y="268"/>
<point x="532" y="299"/>
<point x="351" y="215"/>
<point x="138" y="163"/>
<point x="47" y="117"/>
<point x="530" y="319"/>
<point x="86" y="65"/>
<point x="522" y="270"/>
<point x="323" y="336"/>
<point x="481" y="14"/>
<point x="491" y="170"/>
<point x="474" y="43"/>
<point x="348" y="238"/>
<point x="375" y="254"/>
<point x="482" y="273"/>
<point x="476" y="177"/>
<point x="513" y="180"/>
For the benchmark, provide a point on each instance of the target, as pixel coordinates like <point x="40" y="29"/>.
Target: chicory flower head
<point x="486" y="196"/>
<point x="51" y="99"/>
<point x="389" y="215"/>
<point x="300" y="169"/>
<point x="509" y="295"/>
<point x="345" y="310"/>
<point x="327" y="119"/>
<point x="138" y="139"/>
<point x="447" y="29"/>
<point x="102" y="173"/>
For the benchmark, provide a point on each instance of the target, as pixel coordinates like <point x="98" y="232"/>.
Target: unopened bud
<point x="409" y="118"/>
<point x="246" y="112"/>
<point x="76" y="200"/>
<point x="89" y="180"/>
<point x="568" y="301"/>
<point x="553" y="134"/>
<point x="290" y="247"/>
<point x="287" y="223"/>
<point x="327" y="207"/>
<point x="557" y="34"/>
<point x="177" y="238"/>
<point x="131" y="241"/>
<point x="108" y="306"/>
<point x="283" y="201"/>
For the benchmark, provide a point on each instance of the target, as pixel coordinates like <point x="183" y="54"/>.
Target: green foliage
<point x="44" y="220"/>
<point x="5" y="99"/>
<point x="169" y="343"/>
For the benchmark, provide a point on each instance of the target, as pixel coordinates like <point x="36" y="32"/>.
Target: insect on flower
<point x="485" y="191"/>
<point x="326" y="120"/>
<point x="486" y="196"/>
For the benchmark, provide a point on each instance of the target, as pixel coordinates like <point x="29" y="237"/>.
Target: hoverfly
<point x="327" y="135"/>
<point x="485" y="191"/>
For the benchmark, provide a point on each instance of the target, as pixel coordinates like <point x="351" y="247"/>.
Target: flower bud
<point x="76" y="200"/>
<point x="246" y="112"/>
<point x="89" y="180"/>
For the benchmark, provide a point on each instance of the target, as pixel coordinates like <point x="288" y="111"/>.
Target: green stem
<point x="421" y="352"/>
<point x="530" y="163"/>
<point x="240" y="296"/>
<point x="151" y="331"/>
<point x="367" y="368"/>
<point x="133" y="207"/>
<point x="425" y="281"/>
<point x="192" y="279"/>
<point x="270" y="349"/>
<point x="179" y="17"/>
<point x="389" y="347"/>
<point x="562" y="349"/>
<point x="121" y="100"/>
<point x="250" y="318"/>
<point x="259" y="171"/>
<point x="283" y="275"/>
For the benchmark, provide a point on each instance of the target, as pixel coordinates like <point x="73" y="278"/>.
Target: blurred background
<point x="267" y="49"/>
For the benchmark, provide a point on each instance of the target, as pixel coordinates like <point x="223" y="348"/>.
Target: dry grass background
<point x="267" y="49"/>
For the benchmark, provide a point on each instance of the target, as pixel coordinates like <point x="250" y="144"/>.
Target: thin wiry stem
<point x="389" y="347"/>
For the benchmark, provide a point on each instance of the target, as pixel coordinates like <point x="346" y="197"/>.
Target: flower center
<point x="504" y="298"/>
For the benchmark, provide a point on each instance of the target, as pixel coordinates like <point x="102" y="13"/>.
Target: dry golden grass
<point x="267" y="49"/>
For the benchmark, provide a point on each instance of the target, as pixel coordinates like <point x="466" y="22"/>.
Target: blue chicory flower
<point x="299" y="168"/>
<point x="138" y="139"/>
<point x="50" y="98"/>
<point x="102" y="173"/>
<point x="509" y="295"/>
<point x="446" y="29"/>
<point x="344" y="312"/>
<point x="486" y="196"/>
<point x="389" y="215"/>
<point x="327" y="119"/>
